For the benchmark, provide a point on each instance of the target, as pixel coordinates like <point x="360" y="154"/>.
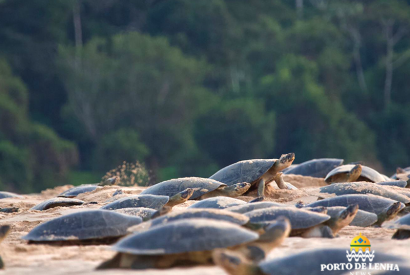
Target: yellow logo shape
<point x="360" y="242"/>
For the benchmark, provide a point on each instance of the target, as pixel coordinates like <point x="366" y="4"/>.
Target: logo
<point x="360" y="259"/>
<point x="360" y="248"/>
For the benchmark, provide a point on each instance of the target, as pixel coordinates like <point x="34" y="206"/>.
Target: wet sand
<point x="40" y="259"/>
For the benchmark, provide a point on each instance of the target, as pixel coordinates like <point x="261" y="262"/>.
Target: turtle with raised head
<point x="306" y="262"/>
<point x="401" y="173"/>
<point x="353" y="172"/>
<point x="218" y="203"/>
<point x="258" y="172"/>
<point x="191" y="242"/>
<point x="91" y="226"/>
<point x="150" y="201"/>
<point x="203" y="188"/>
<point x="213" y="214"/>
<point x="304" y="223"/>
<point x="403" y="227"/>
<point x="56" y="202"/>
<point x="75" y="191"/>
<point x="317" y="168"/>
<point x="384" y="208"/>
<point x="4" y="230"/>
<point x="364" y="188"/>
<point x="5" y="195"/>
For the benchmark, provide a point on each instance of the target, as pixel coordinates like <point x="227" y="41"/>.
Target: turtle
<point x="98" y="225"/>
<point x="362" y="218"/>
<point x="75" y="191"/>
<point x="364" y="188"/>
<point x="55" y="202"/>
<point x="150" y="201"/>
<point x="4" y="230"/>
<point x="384" y="208"/>
<point x="203" y="188"/>
<point x="341" y="218"/>
<point x="403" y="227"/>
<point x="244" y="208"/>
<point x="353" y="172"/>
<point x="317" y="168"/>
<point x="396" y="183"/>
<point x="258" y="172"/>
<point x="144" y="213"/>
<point x="310" y="262"/>
<point x="304" y="223"/>
<point x="213" y="214"/>
<point x="190" y="242"/>
<point x="217" y="203"/>
<point x="5" y="195"/>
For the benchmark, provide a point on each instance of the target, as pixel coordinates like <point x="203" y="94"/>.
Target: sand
<point x="36" y="259"/>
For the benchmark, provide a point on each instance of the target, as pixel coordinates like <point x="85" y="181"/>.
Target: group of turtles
<point x="148" y="232"/>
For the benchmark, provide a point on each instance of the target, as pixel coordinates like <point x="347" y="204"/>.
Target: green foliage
<point x="190" y="86"/>
<point x="236" y="129"/>
<point x="32" y="156"/>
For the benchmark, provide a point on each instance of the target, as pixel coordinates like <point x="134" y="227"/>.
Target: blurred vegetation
<point x="187" y="87"/>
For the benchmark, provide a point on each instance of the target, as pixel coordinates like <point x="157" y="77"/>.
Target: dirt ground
<point x="40" y="259"/>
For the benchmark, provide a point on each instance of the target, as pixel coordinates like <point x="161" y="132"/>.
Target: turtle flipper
<point x="4" y="230"/>
<point x="234" y="263"/>
<point x="261" y="188"/>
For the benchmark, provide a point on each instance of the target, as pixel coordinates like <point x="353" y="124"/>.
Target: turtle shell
<point x="299" y="218"/>
<point x="363" y="188"/>
<point x="148" y="201"/>
<point x="4" y="195"/>
<point x="75" y="191"/>
<point x="317" y="168"/>
<point x="396" y="183"/>
<point x="368" y="174"/>
<point x="213" y="214"/>
<point x="55" y="202"/>
<point x="83" y="225"/>
<point x="217" y="203"/>
<point x="309" y="262"/>
<point x="244" y="208"/>
<point x="172" y="187"/>
<point x="362" y="218"/>
<point x="142" y="212"/>
<point x="402" y="223"/>
<point x="185" y="236"/>
<point x="369" y="203"/>
<point x="243" y="171"/>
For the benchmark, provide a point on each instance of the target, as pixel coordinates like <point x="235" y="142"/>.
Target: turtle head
<point x="276" y="231"/>
<point x="287" y="159"/>
<point x="355" y="173"/>
<point x="390" y="212"/>
<point x="234" y="263"/>
<point x="350" y="212"/>
<point x="181" y="197"/>
<point x="400" y="170"/>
